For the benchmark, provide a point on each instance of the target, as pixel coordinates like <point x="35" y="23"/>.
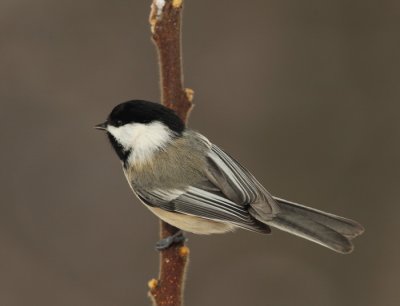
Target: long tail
<point x="326" y="229"/>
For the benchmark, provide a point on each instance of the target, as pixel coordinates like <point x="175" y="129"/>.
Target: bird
<point x="194" y="185"/>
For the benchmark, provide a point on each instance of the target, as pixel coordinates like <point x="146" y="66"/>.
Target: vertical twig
<point x="165" y="21"/>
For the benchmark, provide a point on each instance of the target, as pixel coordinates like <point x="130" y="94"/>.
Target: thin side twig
<point x="165" y="21"/>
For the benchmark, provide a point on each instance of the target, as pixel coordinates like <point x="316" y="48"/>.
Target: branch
<point x="165" y="21"/>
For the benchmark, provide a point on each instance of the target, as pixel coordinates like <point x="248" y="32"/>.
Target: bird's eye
<point x="119" y="123"/>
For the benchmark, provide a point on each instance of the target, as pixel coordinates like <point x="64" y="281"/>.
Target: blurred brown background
<point x="304" y="93"/>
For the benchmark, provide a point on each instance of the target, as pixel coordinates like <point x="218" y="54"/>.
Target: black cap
<point x="139" y="111"/>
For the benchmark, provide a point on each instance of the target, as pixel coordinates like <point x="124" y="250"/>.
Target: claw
<point x="165" y="243"/>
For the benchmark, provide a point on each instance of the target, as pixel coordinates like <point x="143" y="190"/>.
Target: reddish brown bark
<point x="165" y="22"/>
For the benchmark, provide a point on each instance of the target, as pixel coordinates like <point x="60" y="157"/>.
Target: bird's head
<point x="136" y="129"/>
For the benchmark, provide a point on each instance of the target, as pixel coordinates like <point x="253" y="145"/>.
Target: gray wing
<point x="228" y="193"/>
<point x="239" y="185"/>
<point x="209" y="204"/>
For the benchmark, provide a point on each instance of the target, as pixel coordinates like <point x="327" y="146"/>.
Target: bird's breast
<point x="192" y="224"/>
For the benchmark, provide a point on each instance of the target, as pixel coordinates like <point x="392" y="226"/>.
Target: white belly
<point x="192" y="224"/>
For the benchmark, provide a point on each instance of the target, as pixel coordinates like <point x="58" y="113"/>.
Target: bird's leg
<point x="170" y="240"/>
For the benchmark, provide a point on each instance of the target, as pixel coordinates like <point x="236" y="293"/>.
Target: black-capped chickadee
<point x="195" y="186"/>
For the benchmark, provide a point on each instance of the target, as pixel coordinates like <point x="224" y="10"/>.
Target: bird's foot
<point x="165" y="243"/>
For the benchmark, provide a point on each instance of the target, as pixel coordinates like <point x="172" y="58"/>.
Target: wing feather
<point x="239" y="185"/>
<point x="227" y="193"/>
<point x="197" y="202"/>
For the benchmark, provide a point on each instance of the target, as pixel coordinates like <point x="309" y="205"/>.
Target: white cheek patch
<point x="142" y="139"/>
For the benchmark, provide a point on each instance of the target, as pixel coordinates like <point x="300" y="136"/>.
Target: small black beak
<point x="101" y="126"/>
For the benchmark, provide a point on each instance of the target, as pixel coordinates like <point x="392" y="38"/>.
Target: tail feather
<point x="346" y="227"/>
<point x="326" y="229"/>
